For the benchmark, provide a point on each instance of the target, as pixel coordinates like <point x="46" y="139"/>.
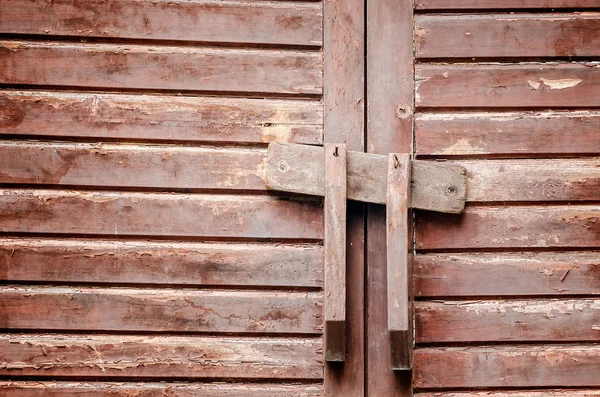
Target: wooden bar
<point x="100" y="116"/>
<point x="399" y="262"/>
<point x="161" y="357"/>
<point x="334" y="247"/>
<point x="516" y="393"/>
<point x="461" y="5"/>
<point x="161" y="310"/>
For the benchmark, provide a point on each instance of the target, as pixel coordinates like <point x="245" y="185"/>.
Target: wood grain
<point x="508" y="133"/>
<point x="508" y="366"/>
<point x="125" y="356"/>
<point x="161" y="118"/>
<point x="461" y="5"/>
<point x="163" y="263"/>
<point x="144" y="310"/>
<point x="119" y="66"/>
<point x="507" y="35"/>
<point x="249" y="22"/>
<point x="516" y="393"/>
<point x="149" y="389"/>
<point x="158" y="214"/>
<point x="508" y="85"/>
<point x="508" y="320"/>
<point x="511" y="227"/>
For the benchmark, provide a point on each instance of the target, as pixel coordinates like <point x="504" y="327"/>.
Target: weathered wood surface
<point x="334" y="249"/>
<point x="461" y="5"/>
<point x="158" y="214"/>
<point x="516" y="393"/>
<point x="260" y="22"/>
<point x="506" y="274"/>
<point x="508" y="320"/>
<point x="104" y="356"/>
<point x="508" y="366"/>
<point x="507" y="35"/>
<point x="300" y="169"/>
<point x="399" y="262"/>
<point x="511" y="227"/>
<point x="129" y="309"/>
<point x="163" y="263"/>
<point x="162" y="118"/>
<point x="149" y="389"/>
<point x="508" y="85"/>
<point x="509" y="133"/>
<point x="119" y="66"/>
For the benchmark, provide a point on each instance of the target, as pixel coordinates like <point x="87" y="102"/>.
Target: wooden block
<point x="399" y="262"/>
<point x="335" y="251"/>
<point x="301" y="169"/>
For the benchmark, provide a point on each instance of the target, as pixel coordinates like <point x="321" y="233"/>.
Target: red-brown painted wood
<point x="511" y="227"/>
<point x="507" y="35"/>
<point x="508" y="274"/>
<point x="508" y="133"/>
<point x="158" y="214"/>
<point x="104" y="356"/>
<point x="163" y="118"/>
<point x="120" y="66"/>
<point x="143" y="310"/>
<point x="508" y="366"/>
<point x="460" y="5"/>
<point x="508" y="85"/>
<point x="160" y="262"/>
<point x="261" y="22"/>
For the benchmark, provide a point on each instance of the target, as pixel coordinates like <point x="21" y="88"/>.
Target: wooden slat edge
<point x="517" y="393"/>
<point x="461" y="5"/>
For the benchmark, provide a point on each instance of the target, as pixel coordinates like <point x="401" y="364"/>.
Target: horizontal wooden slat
<point x="144" y="262"/>
<point x="533" y="180"/>
<point x="510" y="133"/>
<point x="158" y="214"/>
<point x="508" y="85"/>
<point x="262" y="22"/>
<point x="127" y="309"/>
<point x="498" y="274"/>
<point x="88" y="164"/>
<point x="508" y="366"/>
<point x="147" y="389"/>
<point x="505" y="4"/>
<point x="120" y="66"/>
<point x="159" y="357"/>
<point x="502" y="35"/>
<point x="508" y="320"/>
<point x="168" y="117"/>
<point x="517" y="393"/>
<point x="511" y="227"/>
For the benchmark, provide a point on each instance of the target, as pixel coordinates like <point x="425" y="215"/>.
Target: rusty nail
<point x="451" y="190"/>
<point x="335" y="153"/>
<point x="396" y="162"/>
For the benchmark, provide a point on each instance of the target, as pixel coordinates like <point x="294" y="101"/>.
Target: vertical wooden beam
<point x="343" y="96"/>
<point x="390" y="103"/>
<point x="399" y="262"/>
<point x="335" y="251"/>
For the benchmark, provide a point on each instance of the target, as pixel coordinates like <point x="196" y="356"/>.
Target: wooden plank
<point x="300" y="169"/>
<point x="125" y="356"/>
<point x="148" y="389"/>
<point x="197" y="20"/>
<point x="516" y="393"/>
<point x="508" y="320"/>
<point x="511" y="227"/>
<point x="334" y="247"/>
<point x="501" y="35"/>
<point x="158" y="214"/>
<point x="531" y="273"/>
<point x="461" y="5"/>
<point x="399" y="262"/>
<point x="510" y="133"/>
<point x="119" y="66"/>
<point x="163" y="263"/>
<point x="508" y="366"/>
<point x="162" y="118"/>
<point x="129" y="309"/>
<point x="508" y="85"/>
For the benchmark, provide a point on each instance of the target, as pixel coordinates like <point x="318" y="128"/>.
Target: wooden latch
<point x="395" y="180"/>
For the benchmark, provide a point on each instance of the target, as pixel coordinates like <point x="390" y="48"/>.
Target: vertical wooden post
<point x="399" y="262"/>
<point x="335" y="251"/>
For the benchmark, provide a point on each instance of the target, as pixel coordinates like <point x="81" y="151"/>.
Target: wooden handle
<point x="335" y="252"/>
<point x="399" y="261"/>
